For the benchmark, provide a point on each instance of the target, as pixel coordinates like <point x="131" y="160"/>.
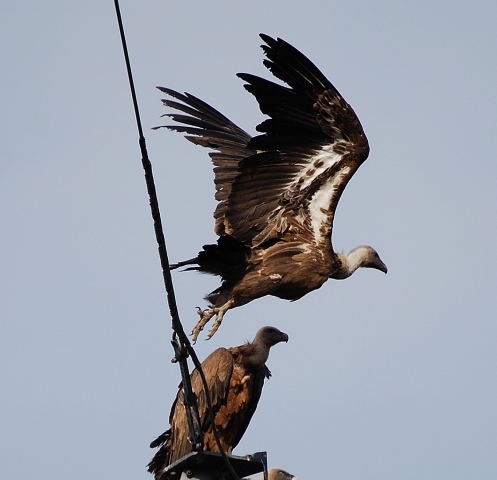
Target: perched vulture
<point x="277" y="474"/>
<point x="277" y="192"/>
<point x="235" y="377"/>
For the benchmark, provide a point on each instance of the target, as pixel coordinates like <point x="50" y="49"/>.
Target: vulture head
<point x="277" y="474"/>
<point x="369" y="258"/>
<point x="258" y="351"/>
<point x="269" y="336"/>
<point x="363" y="256"/>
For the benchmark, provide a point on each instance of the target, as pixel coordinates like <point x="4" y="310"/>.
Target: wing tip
<point x="267" y="38"/>
<point x="168" y="91"/>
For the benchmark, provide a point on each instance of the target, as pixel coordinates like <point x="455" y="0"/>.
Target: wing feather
<point x="218" y="368"/>
<point x="309" y="149"/>
<point x="207" y="127"/>
<point x="245" y="390"/>
<point x="174" y="444"/>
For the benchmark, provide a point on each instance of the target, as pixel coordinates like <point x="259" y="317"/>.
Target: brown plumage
<point x="235" y="377"/>
<point x="277" y="192"/>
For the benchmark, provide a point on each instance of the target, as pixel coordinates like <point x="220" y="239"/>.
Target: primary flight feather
<point x="277" y="192"/>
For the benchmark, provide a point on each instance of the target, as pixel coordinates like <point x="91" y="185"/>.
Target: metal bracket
<point x="212" y="466"/>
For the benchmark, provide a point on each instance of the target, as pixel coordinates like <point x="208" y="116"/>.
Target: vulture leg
<point x="206" y="315"/>
<point x="220" y="311"/>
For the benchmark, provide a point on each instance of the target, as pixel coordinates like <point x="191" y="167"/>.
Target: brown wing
<point x="235" y="414"/>
<point x="207" y="127"/>
<point x="218" y="369"/>
<point x="310" y="147"/>
<point x="257" y="382"/>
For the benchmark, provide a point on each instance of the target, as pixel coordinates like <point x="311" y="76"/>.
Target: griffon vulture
<point x="235" y="377"/>
<point x="277" y="192"/>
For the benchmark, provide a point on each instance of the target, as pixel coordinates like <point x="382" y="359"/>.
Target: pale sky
<point x="384" y="377"/>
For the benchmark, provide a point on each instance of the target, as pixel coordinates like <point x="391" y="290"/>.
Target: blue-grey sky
<point x="384" y="377"/>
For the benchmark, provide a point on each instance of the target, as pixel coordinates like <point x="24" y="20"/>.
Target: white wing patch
<point x="320" y="162"/>
<point x="317" y="208"/>
<point x="321" y="200"/>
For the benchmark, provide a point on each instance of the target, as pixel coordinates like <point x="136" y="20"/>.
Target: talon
<point x="206" y="315"/>
<point x="213" y="330"/>
<point x="215" y="325"/>
<point x="194" y="334"/>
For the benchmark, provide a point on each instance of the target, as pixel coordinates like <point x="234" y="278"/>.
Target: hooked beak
<point x="284" y="337"/>
<point x="382" y="267"/>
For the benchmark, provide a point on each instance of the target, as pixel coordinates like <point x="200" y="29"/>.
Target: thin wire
<point x="159" y="234"/>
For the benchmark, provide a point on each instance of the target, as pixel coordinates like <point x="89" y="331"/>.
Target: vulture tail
<point x="161" y="439"/>
<point x="192" y="261"/>
<point x="227" y="258"/>
<point x="162" y="457"/>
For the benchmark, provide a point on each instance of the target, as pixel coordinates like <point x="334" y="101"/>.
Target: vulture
<point x="277" y="192"/>
<point x="235" y="377"/>
<point x="277" y="474"/>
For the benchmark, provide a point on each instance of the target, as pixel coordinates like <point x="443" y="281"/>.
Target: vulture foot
<point x="206" y="315"/>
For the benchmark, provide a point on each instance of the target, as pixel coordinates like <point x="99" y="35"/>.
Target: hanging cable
<point x="181" y="342"/>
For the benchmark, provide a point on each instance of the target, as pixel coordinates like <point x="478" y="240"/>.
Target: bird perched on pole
<point x="277" y="192"/>
<point x="235" y="377"/>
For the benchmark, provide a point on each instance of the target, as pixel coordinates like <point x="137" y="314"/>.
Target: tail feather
<point x="226" y="258"/>
<point x="162" y="457"/>
<point x="161" y="439"/>
<point x="192" y="261"/>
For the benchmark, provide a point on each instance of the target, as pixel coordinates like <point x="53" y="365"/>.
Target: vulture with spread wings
<point x="235" y="377"/>
<point x="277" y="192"/>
